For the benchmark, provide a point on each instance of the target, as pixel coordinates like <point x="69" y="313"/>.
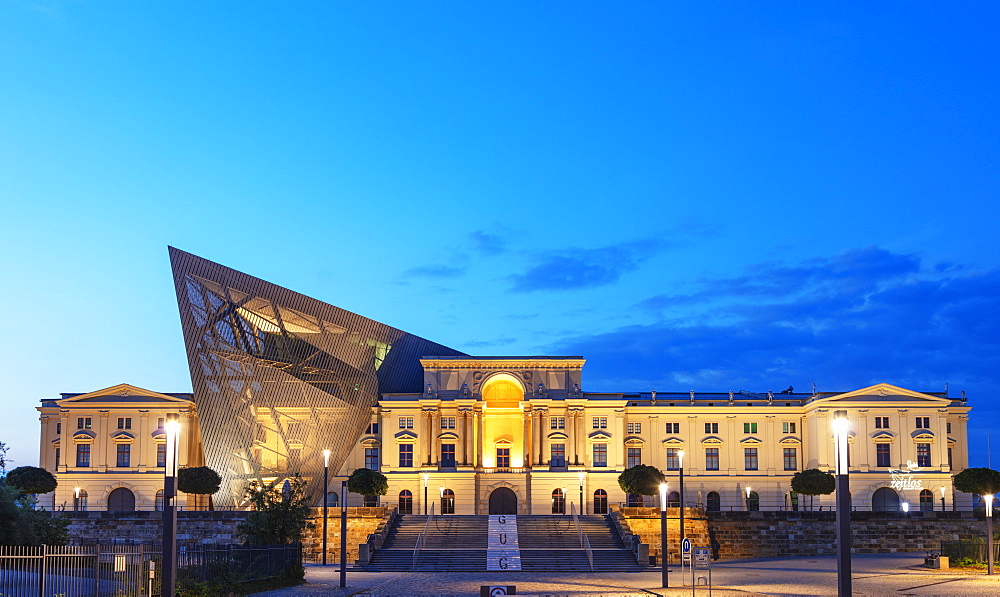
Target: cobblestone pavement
<point x="874" y="574"/>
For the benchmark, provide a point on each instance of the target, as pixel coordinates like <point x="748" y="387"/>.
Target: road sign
<point x="686" y="549"/>
<point x="702" y="557"/>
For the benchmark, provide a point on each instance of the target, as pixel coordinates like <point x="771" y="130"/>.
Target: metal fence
<point x="133" y="570"/>
<point x="957" y="550"/>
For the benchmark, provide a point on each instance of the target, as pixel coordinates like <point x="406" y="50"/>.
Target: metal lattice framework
<point x="279" y="377"/>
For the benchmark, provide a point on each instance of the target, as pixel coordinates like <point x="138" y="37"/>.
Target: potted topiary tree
<point x="367" y="482"/>
<point x="641" y="479"/>
<point x="31" y="479"/>
<point x="199" y="480"/>
<point x="813" y="482"/>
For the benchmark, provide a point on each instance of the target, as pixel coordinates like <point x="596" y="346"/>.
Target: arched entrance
<point x="885" y="500"/>
<point x="503" y="501"/>
<point x="121" y="500"/>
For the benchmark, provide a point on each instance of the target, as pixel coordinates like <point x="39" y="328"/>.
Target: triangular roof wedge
<point x="124" y="392"/>
<point x="881" y="392"/>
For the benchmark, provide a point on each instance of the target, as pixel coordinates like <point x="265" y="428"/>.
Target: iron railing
<point x="958" y="550"/>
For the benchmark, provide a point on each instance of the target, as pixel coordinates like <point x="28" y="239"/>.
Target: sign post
<point x="685" y="555"/>
<point x="702" y="561"/>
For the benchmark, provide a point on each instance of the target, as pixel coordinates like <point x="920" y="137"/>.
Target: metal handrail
<point x="584" y="540"/>
<point x="421" y="539"/>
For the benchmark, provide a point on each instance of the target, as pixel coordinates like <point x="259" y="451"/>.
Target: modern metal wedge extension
<point x="279" y="377"/>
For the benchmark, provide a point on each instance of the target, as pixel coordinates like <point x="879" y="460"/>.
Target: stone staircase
<point x="459" y="543"/>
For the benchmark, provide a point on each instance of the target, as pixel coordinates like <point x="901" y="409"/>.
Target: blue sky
<point x="705" y="196"/>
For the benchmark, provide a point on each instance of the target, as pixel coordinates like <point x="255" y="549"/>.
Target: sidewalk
<point x="874" y="574"/>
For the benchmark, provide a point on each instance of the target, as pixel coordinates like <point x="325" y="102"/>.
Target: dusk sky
<point x="693" y="196"/>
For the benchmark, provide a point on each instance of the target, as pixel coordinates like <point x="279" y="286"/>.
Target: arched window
<point x="558" y="502"/>
<point x="80" y="500"/>
<point x="926" y="501"/>
<point x="158" y="505"/>
<point x="371" y="501"/>
<point x="714" y="503"/>
<point x="673" y="500"/>
<point x="447" y="501"/>
<point x="633" y="500"/>
<point x="332" y="499"/>
<point x="405" y="502"/>
<point x="885" y="499"/>
<point x="503" y="391"/>
<point x="753" y="502"/>
<point x="600" y="502"/>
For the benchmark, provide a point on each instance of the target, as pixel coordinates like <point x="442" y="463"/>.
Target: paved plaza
<point x="874" y="574"/>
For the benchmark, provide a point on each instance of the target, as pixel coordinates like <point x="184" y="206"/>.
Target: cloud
<point x="489" y="343"/>
<point x="486" y="243"/>
<point x="584" y="268"/>
<point x="434" y="271"/>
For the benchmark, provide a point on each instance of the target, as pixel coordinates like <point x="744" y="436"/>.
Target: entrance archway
<point x="885" y="499"/>
<point x="121" y="500"/>
<point x="503" y="501"/>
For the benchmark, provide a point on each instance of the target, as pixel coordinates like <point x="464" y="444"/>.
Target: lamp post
<point x="942" y="498"/>
<point x="664" y="578"/>
<point x="680" y="456"/>
<point x="583" y="507"/>
<point x="906" y="508"/>
<point x="326" y="505"/>
<point x="989" y="532"/>
<point x="343" y="534"/>
<point x="441" y="491"/>
<point x="565" y="502"/>
<point x="169" y="572"/>
<point x="843" y="506"/>
<point x="748" y="497"/>
<point x="76" y="499"/>
<point x="425" y="475"/>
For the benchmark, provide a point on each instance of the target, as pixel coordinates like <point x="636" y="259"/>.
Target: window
<point x="714" y="503"/>
<point x="81" y="500"/>
<point x="791" y="459"/>
<point x="926" y="501"/>
<point x="406" y="455"/>
<point x="749" y="427"/>
<point x="557" y="455"/>
<point x="372" y="429"/>
<point x="673" y="460"/>
<point x="600" y="422"/>
<point x="673" y="500"/>
<point x="159" y="423"/>
<point x="124" y="422"/>
<point x="947" y="427"/>
<point x="447" y="454"/>
<point x="59" y="428"/>
<point x="950" y="465"/>
<point x="633" y="500"/>
<point x="124" y="455"/>
<point x="83" y="423"/>
<point x="634" y="457"/>
<point x="600" y="455"/>
<point x="711" y="459"/>
<point x="635" y="428"/>
<point x="371" y="501"/>
<point x="58" y="454"/>
<point x="600" y="502"/>
<point x="557" y="422"/>
<point x="158" y="503"/>
<point x="711" y="427"/>
<point x="83" y="455"/>
<point x="405" y="502"/>
<point x="332" y="499"/>
<point x="882" y="456"/>
<point x="161" y="455"/>
<point x="558" y="502"/>
<point x="923" y="422"/>
<point x="371" y="458"/>
<point x="753" y="502"/>
<point x="881" y="422"/>
<point x="673" y="427"/>
<point x="447" y="501"/>
<point x="788" y="427"/>
<point x="406" y="422"/>
<point x="750" y="459"/>
<point x="503" y="457"/>
<point x="447" y="422"/>
<point x="923" y="454"/>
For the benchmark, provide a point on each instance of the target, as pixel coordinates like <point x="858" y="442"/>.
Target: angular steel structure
<point x="279" y="377"/>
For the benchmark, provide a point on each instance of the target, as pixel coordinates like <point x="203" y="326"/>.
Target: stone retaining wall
<point x="361" y="522"/>
<point x="193" y="527"/>
<point x="645" y="523"/>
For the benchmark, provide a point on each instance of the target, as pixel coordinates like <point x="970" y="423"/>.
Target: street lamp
<point x="343" y="534"/>
<point x="680" y="456"/>
<point x="664" y="578"/>
<point x="441" y="491"/>
<point x="748" y="497"/>
<point x="942" y="498"/>
<point x="843" y="505"/>
<point x="425" y="475"/>
<point x="583" y="507"/>
<point x="169" y="558"/>
<point x="326" y="485"/>
<point x="906" y="508"/>
<point x="989" y="532"/>
<point x="76" y="499"/>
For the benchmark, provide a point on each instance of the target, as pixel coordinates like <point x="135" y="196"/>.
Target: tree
<point x="980" y="481"/>
<point x="3" y="459"/>
<point x="641" y="479"/>
<point x="22" y="524"/>
<point x="280" y="514"/>
<point x="367" y="482"/>
<point x="31" y="479"/>
<point x="813" y="482"/>
<point x="199" y="480"/>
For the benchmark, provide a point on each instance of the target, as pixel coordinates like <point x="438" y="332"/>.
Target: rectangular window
<point x="58" y="454"/>
<point x="673" y="460"/>
<point x="923" y="454"/>
<point x="749" y="427"/>
<point x="58" y="428"/>
<point x="711" y="459"/>
<point x="923" y="422"/>
<point x="406" y="455"/>
<point x="750" y="459"/>
<point x="124" y="422"/>
<point x="503" y="457"/>
<point x="159" y="423"/>
<point x="791" y="459"/>
<point x="788" y="427"/>
<point x="711" y="427"/>
<point x="882" y="456"/>
<point x="124" y="455"/>
<point x="447" y="454"/>
<point x="881" y="422"/>
<point x="557" y="422"/>
<point x="371" y="458"/>
<point x="947" y="427"/>
<point x="950" y="465"/>
<point x="557" y="455"/>
<point x="634" y="428"/>
<point x="447" y="422"/>
<point x="600" y="455"/>
<point x="83" y="423"/>
<point x="600" y="422"/>
<point x="673" y="427"/>
<point x="161" y="455"/>
<point x="406" y="422"/>
<point x="83" y="455"/>
<point x="634" y="457"/>
<point x="372" y="429"/>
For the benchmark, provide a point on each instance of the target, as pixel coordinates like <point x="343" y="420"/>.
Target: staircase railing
<point x="421" y="539"/>
<point x="584" y="540"/>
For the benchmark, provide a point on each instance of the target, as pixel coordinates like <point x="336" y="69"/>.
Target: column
<point x="479" y="437"/>
<point x="865" y="450"/>
<point x="941" y="439"/>
<point x="580" y="427"/>
<point x="543" y="444"/>
<point x="770" y="447"/>
<point x="428" y="433"/>
<point x="570" y="437"/>
<point x="464" y="416"/>
<point x="527" y="443"/>
<point x="732" y="444"/>
<point x="436" y="425"/>
<point x="102" y="447"/>
<point x="144" y="458"/>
